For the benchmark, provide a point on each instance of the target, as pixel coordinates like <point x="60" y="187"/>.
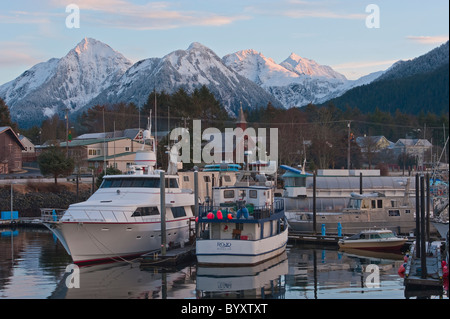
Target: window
<point x="145" y="211"/>
<point x="173" y="183"/>
<point x="380" y="203"/>
<point x="374" y="204"/>
<point x="207" y="179"/>
<point x="178" y="212"/>
<point x="127" y="148"/>
<point x="185" y="178"/>
<point x="394" y="212"/>
<point x="228" y="194"/>
<point x="407" y="211"/>
<point x="393" y="203"/>
<point x="131" y="182"/>
<point x="253" y="193"/>
<point x="226" y="178"/>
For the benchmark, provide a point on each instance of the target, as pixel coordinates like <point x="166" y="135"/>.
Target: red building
<point x="10" y="151"/>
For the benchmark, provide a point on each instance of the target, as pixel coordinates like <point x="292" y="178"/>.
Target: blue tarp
<point x="7" y="215"/>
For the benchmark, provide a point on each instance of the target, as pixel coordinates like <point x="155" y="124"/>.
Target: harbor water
<point x="34" y="265"/>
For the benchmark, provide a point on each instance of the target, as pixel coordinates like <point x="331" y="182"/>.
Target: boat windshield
<point x="130" y="182"/>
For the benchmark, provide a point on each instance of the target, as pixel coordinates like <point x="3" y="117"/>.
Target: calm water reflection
<point x="33" y="265"/>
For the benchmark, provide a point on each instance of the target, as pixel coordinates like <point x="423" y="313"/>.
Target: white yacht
<point x="123" y="217"/>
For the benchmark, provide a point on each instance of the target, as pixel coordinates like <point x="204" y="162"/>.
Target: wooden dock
<point x="424" y="282"/>
<point x="172" y="257"/>
<point x="314" y="238"/>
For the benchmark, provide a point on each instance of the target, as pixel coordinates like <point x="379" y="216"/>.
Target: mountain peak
<point x="304" y="66"/>
<point x="197" y="46"/>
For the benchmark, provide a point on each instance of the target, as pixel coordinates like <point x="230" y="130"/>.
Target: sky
<point x="355" y="37"/>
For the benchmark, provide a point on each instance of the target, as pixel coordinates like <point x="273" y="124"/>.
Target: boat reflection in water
<point x="261" y="281"/>
<point x="126" y="280"/>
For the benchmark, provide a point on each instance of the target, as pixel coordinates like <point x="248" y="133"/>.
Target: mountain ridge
<point x="94" y="73"/>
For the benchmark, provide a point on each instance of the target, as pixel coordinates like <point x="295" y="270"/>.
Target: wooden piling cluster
<point x="423" y="272"/>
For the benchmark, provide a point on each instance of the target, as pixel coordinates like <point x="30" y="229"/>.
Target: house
<point x="10" y="151"/>
<point x="95" y="152"/>
<point x="373" y="143"/>
<point x="417" y="148"/>
<point x="29" y="153"/>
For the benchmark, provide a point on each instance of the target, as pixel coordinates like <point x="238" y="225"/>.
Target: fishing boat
<point x="122" y="218"/>
<point x="373" y="239"/>
<point x="243" y="225"/>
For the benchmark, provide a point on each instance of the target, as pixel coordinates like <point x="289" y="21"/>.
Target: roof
<point x="413" y="142"/>
<point x="84" y="142"/>
<point x="128" y="133"/>
<point x="101" y="158"/>
<point x="9" y="130"/>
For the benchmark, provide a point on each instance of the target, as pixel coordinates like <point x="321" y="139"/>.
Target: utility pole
<point x="348" y="145"/>
<point x="67" y="132"/>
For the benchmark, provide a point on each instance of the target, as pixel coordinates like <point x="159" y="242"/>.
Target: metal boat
<point x="244" y="225"/>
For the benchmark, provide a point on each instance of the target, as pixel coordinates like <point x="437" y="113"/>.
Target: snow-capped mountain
<point x="303" y="66"/>
<point x="70" y="82"/>
<point x="294" y="82"/>
<point x="93" y="73"/>
<point x="187" y="69"/>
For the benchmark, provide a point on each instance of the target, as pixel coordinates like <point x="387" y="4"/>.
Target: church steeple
<point x="241" y="121"/>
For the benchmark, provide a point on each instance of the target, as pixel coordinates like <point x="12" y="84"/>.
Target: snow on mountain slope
<point x="69" y="82"/>
<point x="93" y="73"/>
<point x="294" y="82"/>
<point x="28" y="81"/>
<point x="187" y="69"/>
<point x="303" y="66"/>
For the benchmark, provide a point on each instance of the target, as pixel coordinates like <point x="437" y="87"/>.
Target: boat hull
<point x="374" y="245"/>
<point x="97" y="241"/>
<point x="238" y="252"/>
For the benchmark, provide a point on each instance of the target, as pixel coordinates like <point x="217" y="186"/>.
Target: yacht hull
<point x="90" y="242"/>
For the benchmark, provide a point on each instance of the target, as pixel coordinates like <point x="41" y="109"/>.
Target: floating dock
<point x="172" y="257"/>
<point x="423" y="276"/>
<point x="314" y="238"/>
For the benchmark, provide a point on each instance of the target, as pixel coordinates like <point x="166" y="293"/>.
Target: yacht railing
<point x="55" y="215"/>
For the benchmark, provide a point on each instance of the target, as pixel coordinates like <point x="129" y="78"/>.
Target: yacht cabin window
<point x="145" y="211"/>
<point x="178" y="212"/>
<point x="132" y="182"/>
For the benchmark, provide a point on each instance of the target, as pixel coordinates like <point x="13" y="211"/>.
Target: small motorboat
<point x="373" y="239"/>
